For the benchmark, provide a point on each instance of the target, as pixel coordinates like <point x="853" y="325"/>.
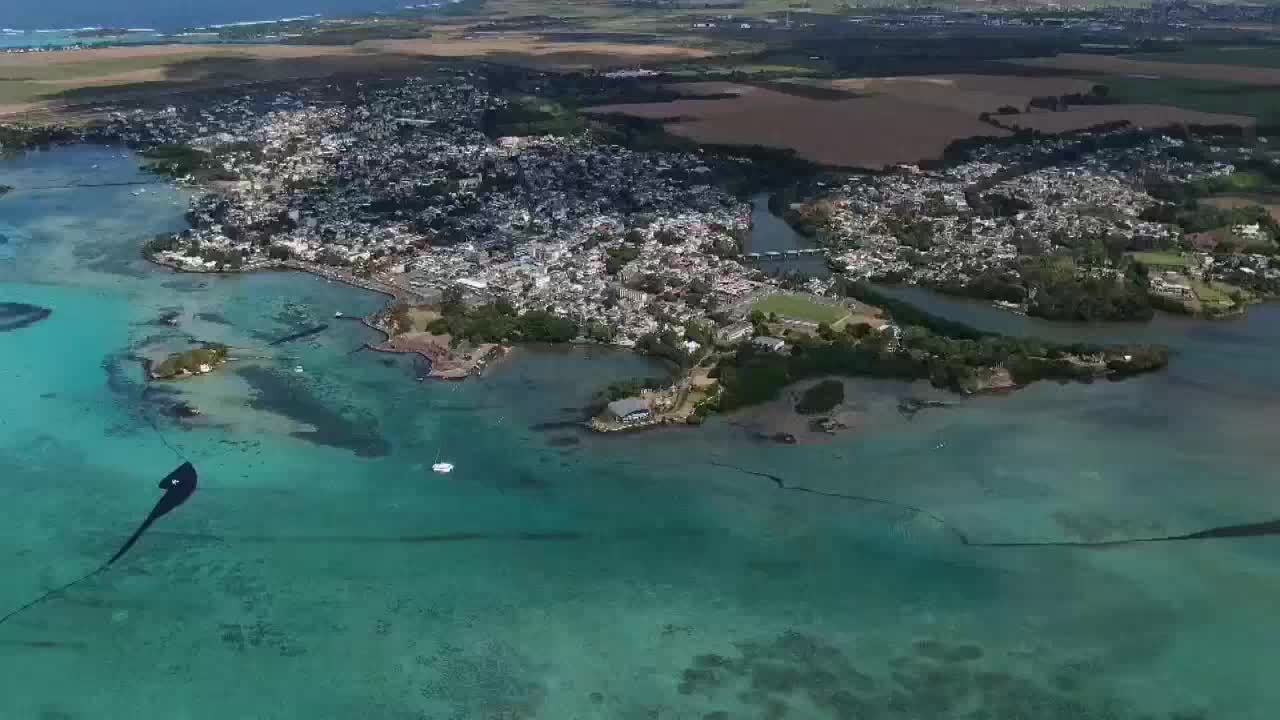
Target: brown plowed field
<point x="973" y="94"/>
<point x="871" y="132"/>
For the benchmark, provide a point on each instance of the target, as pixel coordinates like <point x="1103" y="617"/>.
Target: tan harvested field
<point x="42" y="81"/>
<point x="973" y="94"/>
<point x="1271" y="203"/>
<point x="1139" y="116"/>
<point x="529" y="49"/>
<point x="871" y="132"/>
<point x="1110" y="65"/>
<point x="38" y="84"/>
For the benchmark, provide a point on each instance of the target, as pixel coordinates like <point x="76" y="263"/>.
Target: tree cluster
<point x="498" y="322"/>
<point x="961" y="362"/>
<point x="666" y="345"/>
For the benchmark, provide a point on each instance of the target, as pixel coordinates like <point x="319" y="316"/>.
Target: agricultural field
<point x="1270" y="203"/>
<point x="1139" y="116"/>
<point x="865" y="132"/>
<point x="532" y="50"/>
<point x="972" y="94"/>
<point x="880" y="122"/>
<point x="1212" y="96"/>
<point x="1265" y="57"/>
<point x="1123" y="66"/>
<point x="36" y="81"/>
<point x="798" y="307"/>
<point x="1209" y="87"/>
<point x="30" y="81"/>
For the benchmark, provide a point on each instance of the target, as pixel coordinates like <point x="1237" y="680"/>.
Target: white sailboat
<point x="443" y="468"/>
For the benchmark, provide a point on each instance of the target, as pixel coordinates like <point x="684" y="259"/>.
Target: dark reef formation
<point x="931" y="679"/>
<point x="15" y="316"/>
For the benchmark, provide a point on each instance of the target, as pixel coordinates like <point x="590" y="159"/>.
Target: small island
<point x="197" y="361"/>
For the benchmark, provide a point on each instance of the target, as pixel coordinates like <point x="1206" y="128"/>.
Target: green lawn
<point x="1209" y="294"/>
<point x="1160" y="259"/>
<point x="798" y="307"/>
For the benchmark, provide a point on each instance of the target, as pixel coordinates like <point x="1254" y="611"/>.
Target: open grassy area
<point x="1251" y="56"/>
<point x="1241" y="182"/>
<point x="1259" y="102"/>
<point x="798" y="307"/>
<point x="1267" y="201"/>
<point x="1210" y="294"/>
<point x="1160" y="259"/>
<point x="708" y="70"/>
<point x="421" y="316"/>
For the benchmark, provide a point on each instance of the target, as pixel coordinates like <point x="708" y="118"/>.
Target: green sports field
<point x="1160" y="259"/>
<point x="798" y="307"/>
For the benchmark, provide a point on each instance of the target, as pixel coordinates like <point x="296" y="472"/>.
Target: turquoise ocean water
<point x="322" y="571"/>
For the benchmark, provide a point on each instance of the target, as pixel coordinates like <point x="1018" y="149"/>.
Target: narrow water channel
<point x="770" y="233"/>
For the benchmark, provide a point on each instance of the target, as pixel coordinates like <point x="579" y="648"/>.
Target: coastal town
<point x="661" y="359"/>
<point x="1021" y="233"/>
<point x="398" y="182"/>
<point x="482" y="239"/>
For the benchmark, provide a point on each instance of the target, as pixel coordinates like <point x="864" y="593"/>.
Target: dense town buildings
<point x="397" y="182"/>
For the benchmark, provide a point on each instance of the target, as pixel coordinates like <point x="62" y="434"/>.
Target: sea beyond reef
<point x="323" y="571"/>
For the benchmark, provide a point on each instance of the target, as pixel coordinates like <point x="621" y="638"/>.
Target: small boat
<point x="443" y="468"/>
<point x="338" y="314"/>
<point x="297" y="368"/>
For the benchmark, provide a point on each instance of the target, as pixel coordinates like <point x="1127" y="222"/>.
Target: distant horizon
<point x="173" y="15"/>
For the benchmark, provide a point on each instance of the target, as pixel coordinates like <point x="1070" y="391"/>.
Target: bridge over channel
<point x="781" y="255"/>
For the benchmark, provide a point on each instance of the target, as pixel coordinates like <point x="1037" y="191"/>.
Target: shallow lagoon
<point x="322" y="571"/>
